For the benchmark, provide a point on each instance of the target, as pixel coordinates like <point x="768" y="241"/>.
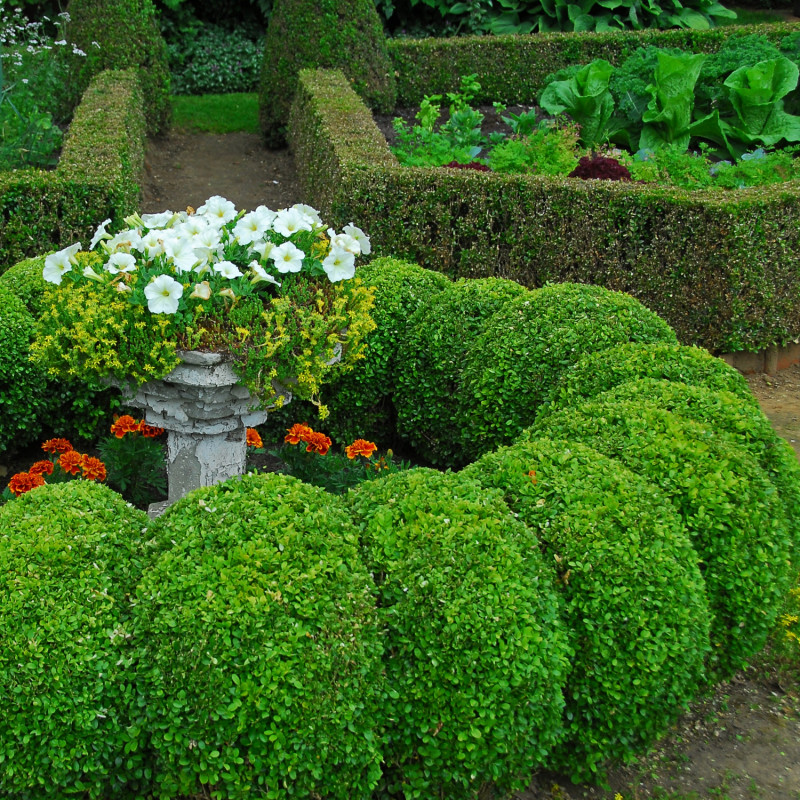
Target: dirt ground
<point x="743" y="742"/>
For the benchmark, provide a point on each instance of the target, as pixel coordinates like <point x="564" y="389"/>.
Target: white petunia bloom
<point x="193" y="226"/>
<point x="287" y="257"/>
<point x="56" y="264"/>
<point x="124" y="242"/>
<point x="289" y="221"/>
<point x="100" y="233"/>
<point x="310" y="213"/>
<point x="263" y="249"/>
<point x="201" y="291"/>
<point x="360" y="237"/>
<point x="217" y="210"/>
<point x="207" y="244"/>
<point x="254" y="225"/>
<point x="89" y="273"/>
<point x="228" y="270"/>
<point x="152" y="244"/>
<point x="157" y="220"/>
<point x="344" y="242"/>
<point x="120" y="262"/>
<point x="181" y="250"/>
<point x="261" y="274"/>
<point x="339" y="265"/>
<point x="163" y="294"/>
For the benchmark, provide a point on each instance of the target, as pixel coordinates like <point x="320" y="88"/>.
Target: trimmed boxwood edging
<point x="727" y="502"/>
<point x="633" y="600"/>
<point x="97" y="176"/>
<point x="722" y="268"/>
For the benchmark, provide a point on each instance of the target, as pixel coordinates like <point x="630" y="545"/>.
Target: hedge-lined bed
<point x="722" y="268"/>
<point x="97" y="176"/>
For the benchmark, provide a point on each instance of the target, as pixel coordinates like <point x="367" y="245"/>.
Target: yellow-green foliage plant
<point x="633" y="600"/>
<point x="428" y="377"/>
<point x="122" y="34"/>
<point x="727" y="502"/>
<point x="24" y="279"/>
<point x="343" y="34"/>
<point x="474" y="655"/>
<point x="70" y="557"/>
<point x="258" y="645"/>
<point x="511" y="367"/>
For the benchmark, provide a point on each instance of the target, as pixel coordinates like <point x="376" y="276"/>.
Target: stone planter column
<point x="206" y="414"/>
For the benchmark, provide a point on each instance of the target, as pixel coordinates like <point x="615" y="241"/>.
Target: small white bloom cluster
<point x="174" y="251"/>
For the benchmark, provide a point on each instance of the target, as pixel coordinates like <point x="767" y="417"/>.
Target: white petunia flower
<point x="360" y="237"/>
<point x="263" y="249"/>
<point x="157" y="220"/>
<point x="56" y="264"/>
<point x="124" y="242"/>
<point x="344" y="242"/>
<point x="201" y="291"/>
<point x="207" y="244"/>
<point x="311" y="214"/>
<point x="120" y="262"/>
<point x="254" y="225"/>
<point x="217" y="210"/>
<point x="287" y="257"/>
<point x="152" y="244"/>
<point x="228" y="270"/>
<point x="261" y="274"/>
<point x="100" y="233"/>
<point x="339" y="265"/>
<point x="163" y="294"/>
<point x="181" y="250"/>
<point x="89" y="273"/>
<point x="289" y="221"/>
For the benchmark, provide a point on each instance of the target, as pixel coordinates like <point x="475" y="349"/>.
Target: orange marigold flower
<point x="93" y="469"/>
<point x="317" y="443"/>
<point x="25" y="481"/>
<point x="71" y="462"/>
<point x="360" y="447"/>
<point x="150" y="431"/>
<point x="253" y="438"/>
<point x="57" y="446"/>
<point x="299" y="432"/>
<point x="41" y="468"/>
<point x="124" y="424"/>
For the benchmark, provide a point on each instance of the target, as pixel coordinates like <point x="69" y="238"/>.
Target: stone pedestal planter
<point x="206" y="414"/>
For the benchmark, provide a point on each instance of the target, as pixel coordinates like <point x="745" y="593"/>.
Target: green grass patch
<point x="215" y="113"/>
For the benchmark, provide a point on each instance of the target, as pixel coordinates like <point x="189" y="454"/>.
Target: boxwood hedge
<point x="725" y="499"/>
<point x="511" y="367"/>
<point x="428" y="378"/>
<point x="70" y="555"/>
<point x="258" y="646"/>
<point x="633" y="600"/>
<point x="474" y="653"/>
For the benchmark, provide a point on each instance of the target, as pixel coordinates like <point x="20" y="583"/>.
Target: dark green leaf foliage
<point x="258" y="644"/>
<point x="727" y="502"/>
<point x="740" y="422"/>
<point x="474" y="653"/>
<point x="511" y="368"/>
<point x="428" y="373"/>
<point x="597" y="372"/>
<point x="70" y="555"/>
<point x="342" y="34"/>
<point x="22" y="384"/>
<point x="633" y="601"/>
<point x="26" y="282"/>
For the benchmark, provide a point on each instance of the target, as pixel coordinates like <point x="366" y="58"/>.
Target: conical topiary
<point x="342" y="34"/>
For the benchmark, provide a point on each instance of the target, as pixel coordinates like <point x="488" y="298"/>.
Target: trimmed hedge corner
<point x="633" y="600"/>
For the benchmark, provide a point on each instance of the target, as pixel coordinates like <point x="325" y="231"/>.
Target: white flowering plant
<point x="276" y="290"/>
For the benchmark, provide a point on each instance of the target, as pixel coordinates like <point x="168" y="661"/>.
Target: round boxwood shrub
<point x="597" y="372"/>
<point x="724" y="498"/>
<point x="342" y="34"/>
<point x="22" y="384"/>
<point x="429" y="366"/>
<point x="511" y="367"/>
<point x="258" y="643"/>
<point x="26" y="282"/>
<point x="633" y="600"/>
<point x="739" y="421"/>
<point x="70" y="555"/>
<point x="474" y="654"/>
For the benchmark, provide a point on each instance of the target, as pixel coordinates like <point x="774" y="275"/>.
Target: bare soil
<point x="741" y="743"/>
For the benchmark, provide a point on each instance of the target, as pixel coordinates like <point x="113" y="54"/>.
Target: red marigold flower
<point x="360" y="447"/>
<point x="57" y="446"/>
<point x="150" y="431"/>
<point x="71" y="462"/>
<point x="253" y="438"/>
<point x="299" y="432"/>
<point x="25" y="481"/>
<point x="317" y="443"/>
<point x="41" y="468"/>
<point x="93" y="469"/>
<point x="124" y="424"/>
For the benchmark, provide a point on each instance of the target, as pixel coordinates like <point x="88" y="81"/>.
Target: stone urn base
<point x="206" y="414"/>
